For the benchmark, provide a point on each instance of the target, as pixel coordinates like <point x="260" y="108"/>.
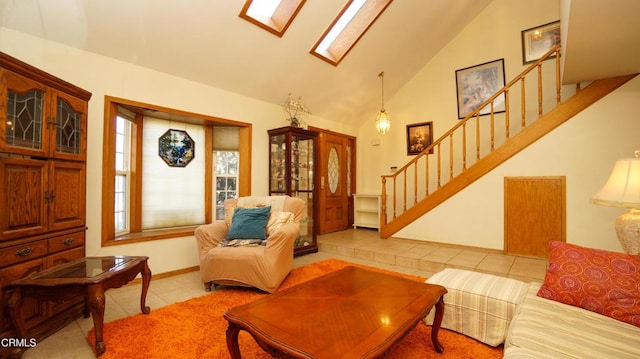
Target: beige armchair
<point x="264" y="266"/>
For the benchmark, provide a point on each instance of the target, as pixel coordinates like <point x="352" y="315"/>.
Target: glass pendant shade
<point x="383" y="124"/>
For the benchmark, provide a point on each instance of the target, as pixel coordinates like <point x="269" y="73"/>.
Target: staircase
<point x="476" y="145"/>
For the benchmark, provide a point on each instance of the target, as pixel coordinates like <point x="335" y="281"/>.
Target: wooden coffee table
<point x="89" y="277"/>
<point x="350" y="313"/>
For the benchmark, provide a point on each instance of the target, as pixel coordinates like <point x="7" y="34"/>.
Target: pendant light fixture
<point x="383" y="124"/>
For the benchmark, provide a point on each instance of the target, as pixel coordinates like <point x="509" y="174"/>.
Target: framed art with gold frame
<point x="538" y="40"/>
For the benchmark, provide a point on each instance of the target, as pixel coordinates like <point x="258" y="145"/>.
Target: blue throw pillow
<point x="249" y="223"/>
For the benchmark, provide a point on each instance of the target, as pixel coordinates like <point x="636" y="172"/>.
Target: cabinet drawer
<point x="34" y="311"/>
<point x="61" y="243"/>
<point x="22" y="253"/>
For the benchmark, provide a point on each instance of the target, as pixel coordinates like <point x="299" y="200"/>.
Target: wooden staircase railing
<point x="421" y="183"/>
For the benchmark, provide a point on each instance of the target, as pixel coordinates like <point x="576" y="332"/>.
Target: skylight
<point x="337" y="28"/>
<point x="274" y="16"/>
<point x="347" y="28"/>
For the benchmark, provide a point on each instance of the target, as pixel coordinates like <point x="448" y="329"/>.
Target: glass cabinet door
<point x="68" y="136"/>
<point x="302" y="185"/>
<point x="277" y="165"/>
<point x="25" y="115"/>
<point x="291" y="172"/>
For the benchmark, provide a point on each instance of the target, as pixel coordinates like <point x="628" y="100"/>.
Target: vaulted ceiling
<point x="206" y="41"/>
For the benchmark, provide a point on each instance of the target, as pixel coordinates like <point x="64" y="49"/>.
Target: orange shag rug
<point x="196" y="328"/>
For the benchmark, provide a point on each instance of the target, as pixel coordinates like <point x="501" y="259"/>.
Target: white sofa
<point x="543" y="328"/>
<point x="497" y="310"/>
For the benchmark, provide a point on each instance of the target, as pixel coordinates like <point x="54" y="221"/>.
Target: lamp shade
<point x="623" y="186"/>
<point x="383" y="124"/>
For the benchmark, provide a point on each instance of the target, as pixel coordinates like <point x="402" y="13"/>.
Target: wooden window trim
<point x="108" y="165"/>
<point x="352" y="33"/>
<point x="282" y="17"/>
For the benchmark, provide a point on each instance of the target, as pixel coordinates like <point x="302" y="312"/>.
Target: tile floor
<point x="354" y="245"/>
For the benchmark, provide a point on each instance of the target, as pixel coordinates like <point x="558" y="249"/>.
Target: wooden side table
<point x="89" y="277"/>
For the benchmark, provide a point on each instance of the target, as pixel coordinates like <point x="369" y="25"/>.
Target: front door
<point x="337" y="180"/>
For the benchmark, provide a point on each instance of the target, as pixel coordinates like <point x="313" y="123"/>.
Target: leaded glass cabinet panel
<point x="41" y="121"/>
<point x="68" y="134"/>
<point x="292" y="164"/>
<point x="24" y="119"/>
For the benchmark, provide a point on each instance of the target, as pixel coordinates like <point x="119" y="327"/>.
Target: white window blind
<point x="171" y="196"/>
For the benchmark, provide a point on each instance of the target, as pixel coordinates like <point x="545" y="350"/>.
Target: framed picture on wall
<point x="419" y="137"/>
<point x="476" y="84"/>
<point x="538" y="40"/>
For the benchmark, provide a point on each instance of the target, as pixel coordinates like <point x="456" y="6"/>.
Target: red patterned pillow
<point x="604" y="282"/>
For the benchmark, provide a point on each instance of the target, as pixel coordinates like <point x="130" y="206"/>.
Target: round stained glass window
<point x="334" y="170"/>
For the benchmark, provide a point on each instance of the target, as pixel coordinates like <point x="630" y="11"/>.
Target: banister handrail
<point x="448" y="135"/>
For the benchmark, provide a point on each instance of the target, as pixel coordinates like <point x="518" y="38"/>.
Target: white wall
<point x="105" y="76"/>
<point x="583" y="150"/>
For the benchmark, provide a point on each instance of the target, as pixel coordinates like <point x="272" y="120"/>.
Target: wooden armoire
<point x="43" y="151"/>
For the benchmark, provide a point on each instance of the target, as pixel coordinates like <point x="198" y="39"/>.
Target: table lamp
<point x="623" y="190"/>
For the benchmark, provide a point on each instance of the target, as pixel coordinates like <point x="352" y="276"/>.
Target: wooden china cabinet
<point x="292" y="164"/>
<point x="43" y="142"/>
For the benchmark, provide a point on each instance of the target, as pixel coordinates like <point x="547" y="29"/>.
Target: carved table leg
<point x="232" y="341"/>
<point x="435" y="327"/>
<point x="95" y="296"/>
<point x="146" y="279"/>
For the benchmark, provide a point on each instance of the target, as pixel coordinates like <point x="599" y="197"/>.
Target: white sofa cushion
<point x="557" y="330"/>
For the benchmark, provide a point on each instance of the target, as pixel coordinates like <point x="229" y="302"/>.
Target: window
<point x="225" y="179"/>
<point x="143" y="198"/>
<point x="274" y="16"/>
<point x="123" y="174"/>
<point x="347" y="28"/>
<point x="172" y="196"/>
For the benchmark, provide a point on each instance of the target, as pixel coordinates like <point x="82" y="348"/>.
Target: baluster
<point x="539" y="90"/>
<point x="558" y="85"/>
<point x="450" y="156"/>
<point x="395" y="196"/>
<point x="493" y="135"/>
<point x="506" y="113"/>
<point x="439" y="166"/>
<point x="524" y="105"/>
<point x="478" y="136"/>
<point x="415" y="181"/>
<point x="404" y="190"/>
<point x="426" y="177"/>
<point x="464" y="146"/>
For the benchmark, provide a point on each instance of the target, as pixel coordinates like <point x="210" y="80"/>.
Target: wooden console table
<point x="88" y="277"/>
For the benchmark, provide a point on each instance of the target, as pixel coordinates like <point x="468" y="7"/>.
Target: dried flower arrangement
<point x="295" y="110"/>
